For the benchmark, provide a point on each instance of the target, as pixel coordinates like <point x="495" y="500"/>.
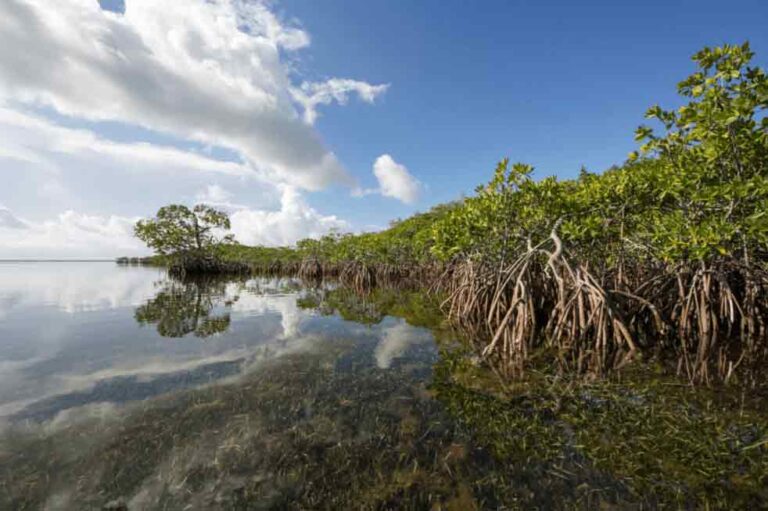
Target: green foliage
<point x="178" y="229"/>
<point x="257" y="256"/>
<point x="404" y="242"/>
<point x="696" y="192"/>
<point x="714" y="159"/>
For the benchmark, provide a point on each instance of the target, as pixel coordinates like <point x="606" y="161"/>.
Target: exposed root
<point x="712" y="318"/>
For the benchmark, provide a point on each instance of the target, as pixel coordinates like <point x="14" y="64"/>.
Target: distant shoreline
<point x="57" y="260"/>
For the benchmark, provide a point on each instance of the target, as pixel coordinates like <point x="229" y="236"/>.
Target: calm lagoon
<point x="122" y="388"/>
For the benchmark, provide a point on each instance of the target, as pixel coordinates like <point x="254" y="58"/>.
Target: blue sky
<point x="556" y="84"/>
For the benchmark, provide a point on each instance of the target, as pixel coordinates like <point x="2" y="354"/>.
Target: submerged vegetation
<point x="327" y="427"/>
<point x="465" y="358"/>
<point x="662" y="257"/>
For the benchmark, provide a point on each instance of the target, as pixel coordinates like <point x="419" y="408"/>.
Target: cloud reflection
<point x="396" y="340"/>
<point x="65" y="349"/>
<point x="74" y="286"/>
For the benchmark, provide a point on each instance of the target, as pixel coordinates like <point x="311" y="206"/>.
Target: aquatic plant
<point x="643" y="440"/>
<point x="326" y="427"/>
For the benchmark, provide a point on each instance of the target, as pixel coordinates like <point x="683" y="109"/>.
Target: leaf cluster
<point x="697" y="189"/>
<point x="179" y="229"/>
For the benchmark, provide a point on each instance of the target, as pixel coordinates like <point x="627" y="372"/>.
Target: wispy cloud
<point x="312" y="94"/>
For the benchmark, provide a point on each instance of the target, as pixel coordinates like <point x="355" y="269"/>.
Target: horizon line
<point x="55" y="260"/>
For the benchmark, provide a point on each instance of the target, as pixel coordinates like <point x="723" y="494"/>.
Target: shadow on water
<point x="371" y="404"/>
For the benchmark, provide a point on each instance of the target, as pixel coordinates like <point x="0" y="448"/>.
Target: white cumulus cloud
<point x="213" y="71"/>
<point x="46" y="169"/>
<point x="394" y="181"/>
<point x="106" y="117"/>
<point x="216" y="195"/>
<point x="65" y="166"/>
<point x="72" y="235"/>
<point x="8" y="220"/>
<point x="293" y="221"/>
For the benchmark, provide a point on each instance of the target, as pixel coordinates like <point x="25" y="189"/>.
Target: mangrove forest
<point x="660" y="259"/>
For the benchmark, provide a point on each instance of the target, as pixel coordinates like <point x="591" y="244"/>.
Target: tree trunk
<point x="198" y="242"/>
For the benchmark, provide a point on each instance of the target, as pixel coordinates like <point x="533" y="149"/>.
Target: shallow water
<point x="121" y="387"/>
<point x="78" y="334"/>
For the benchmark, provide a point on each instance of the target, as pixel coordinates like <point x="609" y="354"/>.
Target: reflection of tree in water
<point x="371" y="307"/>
<point x="367" y="308"/>
<point x="184" y="306"/>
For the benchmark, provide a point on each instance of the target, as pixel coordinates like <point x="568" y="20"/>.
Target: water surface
<point x="121" y="388"/>
<point x="78" y="334"/>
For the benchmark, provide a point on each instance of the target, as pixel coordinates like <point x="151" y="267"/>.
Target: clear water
<point x="121" y="388"/>
<point x="74" y="335"/>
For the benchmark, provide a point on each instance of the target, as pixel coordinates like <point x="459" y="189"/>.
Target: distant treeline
<point x="153" y="260"/>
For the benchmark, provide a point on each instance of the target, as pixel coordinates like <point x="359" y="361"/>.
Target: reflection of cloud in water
<point x="132" y="370"/>
<point x="46" y="352"/>
<point x="199" y="449"/>
<point x="260" y="304"/>
<point x="101" y="411"/>
<point x="98" y="395"/>
<point x="396" y="340"/>
<point x="57" y="360"/>
<point x="74" y="287"/>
